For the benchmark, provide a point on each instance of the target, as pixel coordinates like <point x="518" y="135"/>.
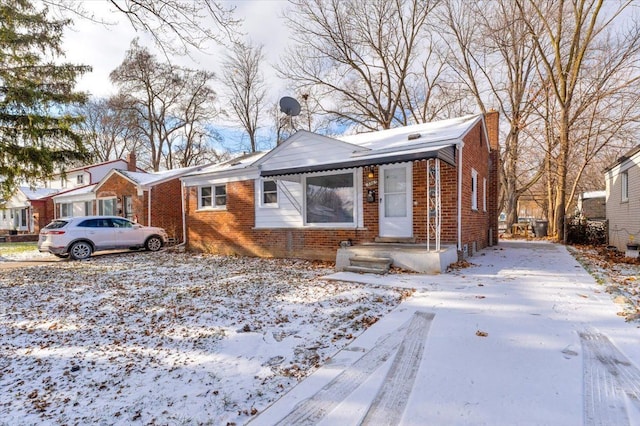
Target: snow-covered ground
<point x="169" y="338"/>
<point x="174" y="338"/>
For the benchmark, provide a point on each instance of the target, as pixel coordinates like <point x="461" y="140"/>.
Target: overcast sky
<point x="103" y="48"/>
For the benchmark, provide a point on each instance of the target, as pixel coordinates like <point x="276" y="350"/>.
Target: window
<point x="80" y="179"/>
<point x="128" y="206"/>
<point x="66" y="210"/>
<point x="213" y="197"/>
<point x="205" y="197"/>
<point x="121" y="223"/>
<point x="330" y="198"/>
<point x="107" y="206"/>
<point x="484" y="194"/>
<point x="269" y="192"/>
<point x="4" y="214"/>
<point x="474" y="189"/>
<point x="96" y="223"/>
<point x="221" y="196"/>
<point x="624" y="185"/>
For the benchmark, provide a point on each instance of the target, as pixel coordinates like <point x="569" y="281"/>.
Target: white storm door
<point x="395" y="188"/>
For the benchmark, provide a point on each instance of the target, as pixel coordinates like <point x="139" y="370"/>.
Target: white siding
<point x="99" y="171"/>
<point x="285" y="215"/>
<point x="307" y="151"/>
<point x="623" y="216"/>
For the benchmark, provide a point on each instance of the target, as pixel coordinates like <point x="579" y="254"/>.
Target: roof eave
<point x="361" y="162"/>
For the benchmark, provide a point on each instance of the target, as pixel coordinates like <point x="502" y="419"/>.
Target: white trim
<point x="260" y="191"/>
<point x="474" y="189"/>
<point x="219" y="178"/>
<point x="484" y="194"/>
<point x="460" y="196"/>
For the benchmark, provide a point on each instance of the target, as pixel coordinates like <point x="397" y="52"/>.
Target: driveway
<point x="524" y="336"/>
<point x="15" y="264"/>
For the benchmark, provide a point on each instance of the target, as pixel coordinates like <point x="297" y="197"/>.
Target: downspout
<point x="460" y="146"/>
<point x="149" y="207"/>
<point x="184" y="216"/>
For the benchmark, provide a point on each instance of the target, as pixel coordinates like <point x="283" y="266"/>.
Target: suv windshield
<point x="56" y="224"/>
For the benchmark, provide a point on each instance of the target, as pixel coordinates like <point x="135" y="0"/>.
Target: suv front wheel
<point x="80" y="250"/>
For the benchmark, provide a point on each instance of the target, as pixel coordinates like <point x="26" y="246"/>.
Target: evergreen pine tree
<point x="36" y="127"/>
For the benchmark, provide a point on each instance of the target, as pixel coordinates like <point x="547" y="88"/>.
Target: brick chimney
<point x="131" y="162"/>
<point x="492" y="118"/>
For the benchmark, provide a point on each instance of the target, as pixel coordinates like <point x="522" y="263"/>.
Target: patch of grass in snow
<point x="15" y="248"/>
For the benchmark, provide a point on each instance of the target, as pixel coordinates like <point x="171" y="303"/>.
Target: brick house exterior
<point x="151" y="199"/>
<point x="229" y="208"/>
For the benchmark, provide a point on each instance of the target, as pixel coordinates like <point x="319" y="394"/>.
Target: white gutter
<point x="460" y="146"/>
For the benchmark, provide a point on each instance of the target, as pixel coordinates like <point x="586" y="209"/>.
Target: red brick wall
<point x="231" y="231"/>
<point x="476" y="224"/>
<point x="166" y="208"/>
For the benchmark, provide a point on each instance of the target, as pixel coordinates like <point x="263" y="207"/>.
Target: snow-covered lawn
<point x="169" y="338"/>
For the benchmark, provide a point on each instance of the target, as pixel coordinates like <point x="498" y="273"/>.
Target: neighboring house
<point x="622" y="180"/>
<point x="29" y="210"/>
<point x="152" y="199"/>
<point x="25" y="210"/>
<point x="428" y="189"/>
<point x="592" y="205"/>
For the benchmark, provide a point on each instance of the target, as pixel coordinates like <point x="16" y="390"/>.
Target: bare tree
<point x="166" y="100"/>
<point x="358" y="56"/>
<point x="195" y="109"/>
<point x="109" y="128"/>
<point x="245" y="87"/>
<point x="583" y="57"/>
<point x="494" y="56"/>
<point x="175" y="25"/>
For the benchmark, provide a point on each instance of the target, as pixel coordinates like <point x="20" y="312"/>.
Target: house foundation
<point x="409" y="257"/>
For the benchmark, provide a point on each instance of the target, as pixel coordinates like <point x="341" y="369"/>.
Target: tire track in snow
<point x="608" y="377"/>
<point x="314" y="409"/>
<point x="391" y="400"/>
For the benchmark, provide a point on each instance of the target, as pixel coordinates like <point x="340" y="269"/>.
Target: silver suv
<point x="78" y="237"/>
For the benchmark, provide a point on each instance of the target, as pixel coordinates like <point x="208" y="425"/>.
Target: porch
<point x="408" y="256"/>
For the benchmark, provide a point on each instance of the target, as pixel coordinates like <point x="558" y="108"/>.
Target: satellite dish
<point x="289" y="106"/>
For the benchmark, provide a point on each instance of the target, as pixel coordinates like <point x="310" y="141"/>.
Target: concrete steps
<point x="369" y="264"/>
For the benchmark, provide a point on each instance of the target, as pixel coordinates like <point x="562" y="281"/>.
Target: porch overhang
<point x="445" y="153"/>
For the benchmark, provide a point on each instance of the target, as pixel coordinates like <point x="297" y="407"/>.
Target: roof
<point x="593" y="194"/>
<point x="401" y="138"/>
<point x="37" y="193"/>
<point x="90" y="166"/>
<point x="83" y="190"/>
<point x="420" y="141"/>
<point x="150" y="179"/>
<point x="627" y="156"/>
<point x="238" y="163"/>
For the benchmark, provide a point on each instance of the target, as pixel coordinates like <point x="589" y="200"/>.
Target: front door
<point x="395" y="187"/>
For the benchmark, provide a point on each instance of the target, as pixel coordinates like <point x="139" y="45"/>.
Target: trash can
<point x="540" y="228"/>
